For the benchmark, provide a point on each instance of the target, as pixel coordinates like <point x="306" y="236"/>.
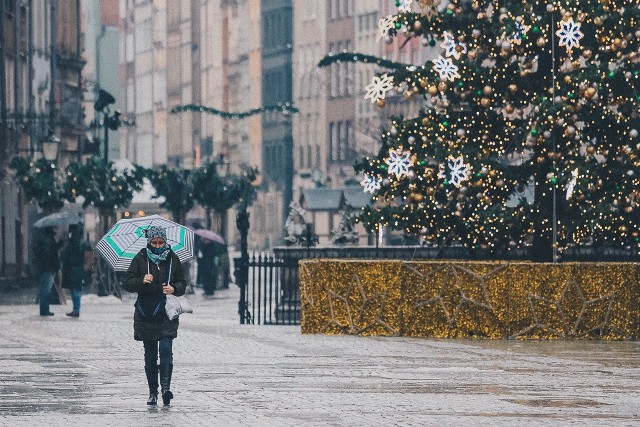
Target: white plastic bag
<point x="175" y="306"/>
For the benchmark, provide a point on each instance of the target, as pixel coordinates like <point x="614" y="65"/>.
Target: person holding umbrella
<point x="156" y="271"/>
<point x="47" y="264"/>
<point x="72" y="259"/>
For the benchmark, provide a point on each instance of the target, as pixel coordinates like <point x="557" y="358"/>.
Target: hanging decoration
<point x="370" y="184"/>
<point x="379" y="87"/>
<point x="569" y="33"/>
<point x="399" y="162"/>
<point x="283" y="107"/>
<point x="459" y="171"/>
<point x="446" y="68"/>
<point x="453" y="47"/>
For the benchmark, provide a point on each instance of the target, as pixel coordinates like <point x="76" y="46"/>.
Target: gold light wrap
<point x="465" y="299"/>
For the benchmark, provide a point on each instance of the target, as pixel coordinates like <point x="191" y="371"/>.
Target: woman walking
<point x="154" y="273"/>
<point x="72" y="259"/>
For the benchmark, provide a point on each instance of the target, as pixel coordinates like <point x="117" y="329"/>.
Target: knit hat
<point x="155" y="231"/>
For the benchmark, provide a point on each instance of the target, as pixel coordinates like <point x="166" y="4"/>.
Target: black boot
<point x="165" y="382"/>
<point x="152" y="380"/>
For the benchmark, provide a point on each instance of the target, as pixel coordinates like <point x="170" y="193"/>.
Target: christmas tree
<point x="536" y="95"/>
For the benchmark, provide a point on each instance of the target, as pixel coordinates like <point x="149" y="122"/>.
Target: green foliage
<point x="220" y="193"/>
<point x="176" y="186"/>
<point x="39" y="182"/>
<point x="101" y="185"/>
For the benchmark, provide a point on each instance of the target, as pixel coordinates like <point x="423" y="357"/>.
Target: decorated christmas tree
<point x="538" y="95"/>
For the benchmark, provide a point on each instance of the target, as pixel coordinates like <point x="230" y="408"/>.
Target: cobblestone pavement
<point x="60" y="371"/>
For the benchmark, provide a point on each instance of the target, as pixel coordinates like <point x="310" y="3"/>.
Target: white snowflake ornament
<point x="384" y="25"/>
<point x="399" y="162"/>
<point x="459" y="171"/>
<point x="569" y="34"/>
<point x="519" y="33"/>
<point x="572" y="183"/>
<point x="446" y="68"/>
<point x="379" y="87"/>
<point x="370" y="184"/>
<point x="450" y="46"/>
<point x="404" y="5"/>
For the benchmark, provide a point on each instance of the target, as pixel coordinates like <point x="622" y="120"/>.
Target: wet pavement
<point x="88" y="371"/>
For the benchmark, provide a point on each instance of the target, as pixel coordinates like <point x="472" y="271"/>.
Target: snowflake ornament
<point x="572" y="183"/>
<point x="450" y="46"/>
<point x="445" y="68"/>
<point x="404" y="5"/>
<point x="370" y="184"/>
<point x="519" y="33"/>
<point x="399" y="162"/>
<point x="384" y="25"/>
<point x="459" y="171"/>
<point x="379" y="87"/>
<point x="569" y="34"/>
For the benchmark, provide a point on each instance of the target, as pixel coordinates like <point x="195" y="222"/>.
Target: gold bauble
<point x="587" y="53"/>
<point x="408" y="95"/>
<point x="598" y="20"/>
<point x="380" y="102"/>
<point x="617" y="42"/>
<point x="567" y="79"/>
<point x="442" y="86"/>
<point x="590" y="92"/>
<point x="432" y="90"/>
<point x="424" y="83"/>
<point x="472" y="54"/>
<point x="485" y="102"/>
<point x="509" y="109"/>
<point x="540" y="159"/>
<point x="417" y="26"/>
<point x="541" y="41"/>
<point x="513" y="87"/>
<point x="426" y="121"/>
<point x="431" y="191"/>
<point x="628" y="209"/>
<point x="591" y="149"/>
<point x="487" y="90"/>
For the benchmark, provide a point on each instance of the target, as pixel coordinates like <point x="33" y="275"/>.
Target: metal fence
<point x="272" y="296"/>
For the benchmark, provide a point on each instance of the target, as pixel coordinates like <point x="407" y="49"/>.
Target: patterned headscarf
<point x="155" y="231"/>
<point x="157" y="254"/>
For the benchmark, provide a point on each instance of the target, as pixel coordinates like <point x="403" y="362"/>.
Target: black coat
<point x="72" y="259"/>
<point x="45" y="252"/>
<point x="149" y="295"/>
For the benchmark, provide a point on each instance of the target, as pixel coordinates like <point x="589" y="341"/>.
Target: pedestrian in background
<point x="207" y="271"/>
<point x="47" y="264"/>
<point x="154" y="273"/>
<point x="72" y="260"/>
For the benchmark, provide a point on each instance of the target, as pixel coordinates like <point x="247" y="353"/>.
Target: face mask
<point x="157" y="251"/>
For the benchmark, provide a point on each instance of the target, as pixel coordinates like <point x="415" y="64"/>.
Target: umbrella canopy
<point x="126" y="238"/>
<point x="57" y="219"/>
<point x="209" y="235"/>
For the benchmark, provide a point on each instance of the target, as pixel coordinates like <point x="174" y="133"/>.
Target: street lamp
<point x="50" y="147"/>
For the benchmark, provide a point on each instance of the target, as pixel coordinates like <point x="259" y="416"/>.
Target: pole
<point x="53" y="62"/>
<point x="106" y="136"/>
<point x="242" y="270"/>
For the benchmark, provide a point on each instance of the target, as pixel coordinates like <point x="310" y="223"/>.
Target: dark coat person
<point x="47" y="264"/>
<point x="207" y="271"/>
<point x="154" y="273"/>
<point x="72" y="260"/>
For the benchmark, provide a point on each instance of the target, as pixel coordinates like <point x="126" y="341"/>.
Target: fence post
<point x="242" y="263"/>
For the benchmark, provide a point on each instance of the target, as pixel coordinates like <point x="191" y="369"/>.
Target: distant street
<point x="89" y="372"/>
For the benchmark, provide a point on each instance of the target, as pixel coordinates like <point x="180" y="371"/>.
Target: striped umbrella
<point x="126" y="238"/>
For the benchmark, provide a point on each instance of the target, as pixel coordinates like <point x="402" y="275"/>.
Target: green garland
<point x="360" y="57"/>
<point x="285" y="107"/>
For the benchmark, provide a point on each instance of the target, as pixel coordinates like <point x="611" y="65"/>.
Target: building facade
<point x="40" y="94"/>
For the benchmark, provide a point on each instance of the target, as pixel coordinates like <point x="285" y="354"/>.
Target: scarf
<point x="156" y="255"/>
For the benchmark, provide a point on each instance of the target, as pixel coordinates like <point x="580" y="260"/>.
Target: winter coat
<point x="72" y="259"/>
<point x="45" y="251"/>
<point x="146" y="325"/>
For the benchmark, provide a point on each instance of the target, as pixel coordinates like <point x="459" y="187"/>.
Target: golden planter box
<point x="468" y="299"/>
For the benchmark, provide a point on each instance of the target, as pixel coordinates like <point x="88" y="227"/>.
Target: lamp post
<point x="50" y="147"/>
<point x="242" y="263"/>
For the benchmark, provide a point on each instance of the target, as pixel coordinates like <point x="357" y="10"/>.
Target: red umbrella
<point x="209" y="235"/>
